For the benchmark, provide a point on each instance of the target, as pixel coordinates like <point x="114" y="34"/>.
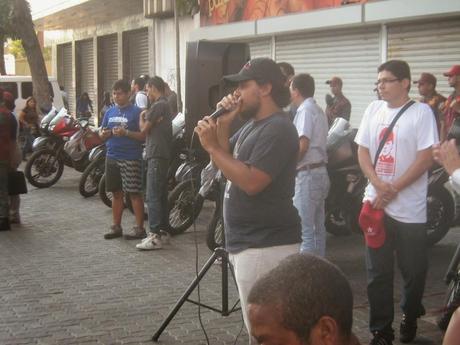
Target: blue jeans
<point x="157" y="194"/>
<point x="311" y="189"/>
<point x="408" y="241"/>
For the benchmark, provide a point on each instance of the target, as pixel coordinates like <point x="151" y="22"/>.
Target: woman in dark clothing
<point x="106" y="104"/>
<point x="84" y="106"/>
<point x="28" y="126"/>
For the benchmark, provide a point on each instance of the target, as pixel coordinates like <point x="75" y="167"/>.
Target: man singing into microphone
<point x="262" y="225"/>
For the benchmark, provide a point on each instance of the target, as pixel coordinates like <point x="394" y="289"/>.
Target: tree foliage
<point x="16" y="22"/>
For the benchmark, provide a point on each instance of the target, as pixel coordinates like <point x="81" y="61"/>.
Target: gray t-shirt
<point x="311" y="123"/>
<point x="268" y="218"/>
<point x="159" y="140"/>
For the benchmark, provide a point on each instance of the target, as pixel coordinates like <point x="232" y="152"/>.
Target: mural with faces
<point x="386" y="162"/>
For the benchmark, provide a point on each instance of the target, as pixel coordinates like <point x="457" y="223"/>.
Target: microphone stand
<point x="219" y="253"/>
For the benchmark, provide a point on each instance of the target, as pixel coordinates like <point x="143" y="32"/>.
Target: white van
<point x="21" y="88"/>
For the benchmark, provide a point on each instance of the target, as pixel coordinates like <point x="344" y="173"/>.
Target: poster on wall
<point x="214" y="12"/>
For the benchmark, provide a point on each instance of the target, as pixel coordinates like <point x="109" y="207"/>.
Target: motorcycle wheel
<point x="215" y="236"/>
<point x="106" y="197"/>
<point x="440" y="214"/>
<point x="336" y="222"/>
<point x="44" y="168"/>
<point x="184" y="206"/>
<point x="452" y="302"/>
<point x="89" y="181"/>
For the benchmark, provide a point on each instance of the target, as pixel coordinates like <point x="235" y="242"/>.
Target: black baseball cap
<point x="259" y="69"/>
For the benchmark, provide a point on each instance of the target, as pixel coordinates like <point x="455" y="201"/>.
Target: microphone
<point x="219" y="112"/>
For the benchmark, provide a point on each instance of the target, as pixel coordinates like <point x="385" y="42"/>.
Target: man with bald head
<point x="304" y="300"/>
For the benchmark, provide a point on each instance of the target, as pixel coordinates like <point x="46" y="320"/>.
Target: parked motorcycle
<point x="106" y="197"/>
<point x="452" y="300"/>
<point x="184" y="206"/>
<point x="440" y="206"/>
<point x="213" y="188"/>
<point x="89" y="181"/>
<point x="46" y="164"/>
<point x="344" y="200"/>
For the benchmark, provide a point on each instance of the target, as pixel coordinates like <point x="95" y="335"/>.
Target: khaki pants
<point x="250" y="264"/>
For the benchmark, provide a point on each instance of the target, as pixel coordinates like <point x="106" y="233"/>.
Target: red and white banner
<point x="215" y="12"/>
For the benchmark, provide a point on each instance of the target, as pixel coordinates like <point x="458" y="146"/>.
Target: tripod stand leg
<point x="225" y="285"/>
<point x="186" y="294"/>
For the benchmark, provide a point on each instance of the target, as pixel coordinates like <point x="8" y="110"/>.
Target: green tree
<point x="16" y="48"/>
<point x="19" y="14"/>
<point x="6" y="30"/>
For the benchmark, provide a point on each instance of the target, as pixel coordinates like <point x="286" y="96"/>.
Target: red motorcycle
<point x="46" y="165"/>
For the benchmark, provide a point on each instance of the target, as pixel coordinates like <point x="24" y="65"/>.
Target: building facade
<point x="350" y="41"/>
<point x="96" y="42"/>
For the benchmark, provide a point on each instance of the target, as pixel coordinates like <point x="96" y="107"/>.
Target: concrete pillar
<point x="73" y="91"/>
<point x="96" y="81"/>
<point x="152" y="47"/>
<point x="383" y="43"/>
<point x="120" y="54"/>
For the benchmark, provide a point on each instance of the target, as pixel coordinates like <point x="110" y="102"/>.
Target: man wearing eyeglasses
<point x="398" y="185"/>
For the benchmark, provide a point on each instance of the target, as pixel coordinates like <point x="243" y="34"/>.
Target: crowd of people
<point x="274" y="199"/>
<point x="260" y="220"/>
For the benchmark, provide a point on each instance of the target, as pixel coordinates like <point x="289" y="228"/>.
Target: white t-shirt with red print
<point x="414" y="131"/>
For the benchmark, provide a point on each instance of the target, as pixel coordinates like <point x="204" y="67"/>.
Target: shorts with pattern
<point x="123" y="175"/>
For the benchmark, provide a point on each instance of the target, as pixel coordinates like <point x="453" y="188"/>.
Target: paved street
<point x="62" y="283"/>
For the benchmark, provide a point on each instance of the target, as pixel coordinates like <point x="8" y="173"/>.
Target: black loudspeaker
<point x="207" y="62"/>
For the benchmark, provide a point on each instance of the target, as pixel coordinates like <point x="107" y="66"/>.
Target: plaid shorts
<point x="123" y="175"/>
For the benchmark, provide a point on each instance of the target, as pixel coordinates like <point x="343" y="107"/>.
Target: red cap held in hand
<point x="372" y="225"/>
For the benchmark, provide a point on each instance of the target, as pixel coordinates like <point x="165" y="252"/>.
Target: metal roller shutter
<point x="352" y="54"/>
<point x="65" y="76"/>
<point x="85" y="71"/>
<point x="428" y="46"/>
<point x="137" y="53"/>
<point x="260" y="48"/>
<point x="108" y="63"/>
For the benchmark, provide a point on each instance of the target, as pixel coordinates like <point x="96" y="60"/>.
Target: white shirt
<point x="455" y="180"/>
<point x="311" y="123"/>
<point x="141" y="100"/>
<point x="414" y="131"/>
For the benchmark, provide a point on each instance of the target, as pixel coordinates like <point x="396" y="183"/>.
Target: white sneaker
<point x="152" y="242"/>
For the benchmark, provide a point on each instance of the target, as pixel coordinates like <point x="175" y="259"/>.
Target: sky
<point x="40" y="5"/>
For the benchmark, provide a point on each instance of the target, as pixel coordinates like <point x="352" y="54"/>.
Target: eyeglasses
<point x="385" y="81"/>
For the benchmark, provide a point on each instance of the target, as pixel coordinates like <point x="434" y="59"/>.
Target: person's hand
<point x="119" y="131"/>
<point x="105" y="133"/>
<point x="386" y="192"/>
<point x="207" y="133"/>
<point x="447" y="155"/>
<point x="232" y="103"/>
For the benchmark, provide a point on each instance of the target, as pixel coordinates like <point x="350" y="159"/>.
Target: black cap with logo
<point x="263" y="70"/>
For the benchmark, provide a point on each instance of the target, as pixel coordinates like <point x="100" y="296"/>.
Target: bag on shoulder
<point x="16" y="183"/>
